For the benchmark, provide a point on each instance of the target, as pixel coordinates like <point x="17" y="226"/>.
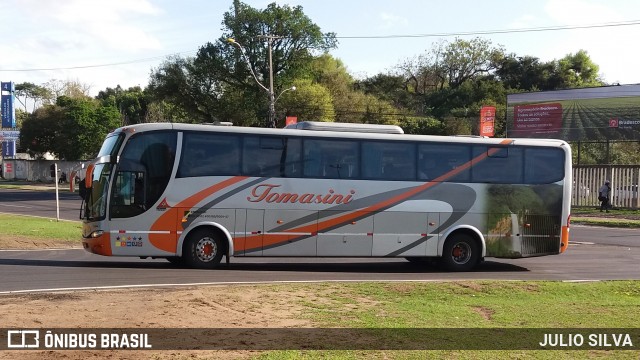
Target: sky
<point x="105" y="43"/>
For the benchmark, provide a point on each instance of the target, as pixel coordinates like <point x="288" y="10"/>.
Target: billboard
<point x="487" y="121"/>
<point x="6" y="105"/>
<point x="8" y="148"/>
<point x="601" y="113"/>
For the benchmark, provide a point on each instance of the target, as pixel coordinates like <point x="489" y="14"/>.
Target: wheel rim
<point x="206" y="249"/>
<point x="461" y="253"/>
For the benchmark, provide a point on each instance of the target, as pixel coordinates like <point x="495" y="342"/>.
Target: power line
<point x="98" y="65"/>
<point x="396" y="36"/>
<point x="498" y="31"/>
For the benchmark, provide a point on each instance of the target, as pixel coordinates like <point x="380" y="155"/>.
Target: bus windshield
<point x="96" y="207"/>
<point x="111" y="145"/>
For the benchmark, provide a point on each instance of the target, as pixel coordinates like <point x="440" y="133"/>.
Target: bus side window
<point x="155" y="153"/>
<point x="445" y="158"/>
<point x="311" y="161"/>
<point x="543" y="166"/>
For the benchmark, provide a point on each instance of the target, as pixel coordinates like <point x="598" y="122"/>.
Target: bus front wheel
<point x="203" y="249"/>
<point x="460" y="253"/>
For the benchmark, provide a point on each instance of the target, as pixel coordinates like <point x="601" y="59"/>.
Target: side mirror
<point x="89" y="176"/>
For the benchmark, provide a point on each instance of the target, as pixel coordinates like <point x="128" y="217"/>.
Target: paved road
<point x="29" y="270"/>
<point x="595" y="254"/>
<point x="40" y="203"/>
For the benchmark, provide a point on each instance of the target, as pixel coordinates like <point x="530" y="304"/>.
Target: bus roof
<point x="327" y="132"/>
<point x="346" y="127"/>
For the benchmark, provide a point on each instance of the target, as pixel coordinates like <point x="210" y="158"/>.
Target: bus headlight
<point x="97" y="234"/>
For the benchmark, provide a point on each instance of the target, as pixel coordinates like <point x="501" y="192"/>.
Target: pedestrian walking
<point x="604" y="196"/>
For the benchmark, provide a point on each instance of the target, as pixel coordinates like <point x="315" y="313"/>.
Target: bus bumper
<point x="97" y="243"/>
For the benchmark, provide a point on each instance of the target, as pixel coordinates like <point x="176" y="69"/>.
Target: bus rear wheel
<point x="461" y="253"/>
<point x="203" y="249"/>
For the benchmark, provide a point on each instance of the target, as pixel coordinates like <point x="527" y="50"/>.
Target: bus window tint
<point x="388" y="160"/>
<point x="500" y="165"/>
<point x="331" y="159"/>
<point x="209" y="155"/>
<point x="443" y="162"/>
<point x="271" y="156"/>
<point x="155" y="151"/>
<point x="543" y="166"/>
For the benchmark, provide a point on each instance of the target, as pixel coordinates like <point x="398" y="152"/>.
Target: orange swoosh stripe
<point x="273" y="240"/>
<point x="170" y="218"/>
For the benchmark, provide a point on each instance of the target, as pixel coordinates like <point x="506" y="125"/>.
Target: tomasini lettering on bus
<point x="266" y="192"/>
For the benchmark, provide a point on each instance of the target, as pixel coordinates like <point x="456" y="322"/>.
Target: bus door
<point x="253" y="231"/>
<point x="290" y="233"/>
<point x="131" y="215"/>
<point x="352" y="239"/>
<point x="399" y="233"/>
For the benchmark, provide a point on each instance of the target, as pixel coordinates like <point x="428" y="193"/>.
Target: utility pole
<point x="272" y="96"/>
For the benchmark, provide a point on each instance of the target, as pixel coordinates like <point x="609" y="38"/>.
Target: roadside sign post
<point x="55" y="169"/>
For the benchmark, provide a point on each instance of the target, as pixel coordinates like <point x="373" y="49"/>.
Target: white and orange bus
<point x="195" y="193"/>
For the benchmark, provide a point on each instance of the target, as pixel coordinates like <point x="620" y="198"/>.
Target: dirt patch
<point x="16" y="242"/>
<point x="474" y="286"/>
<point x="485" y="312"/>
<point x="208" y="307"/>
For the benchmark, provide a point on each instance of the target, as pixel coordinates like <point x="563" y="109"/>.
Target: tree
<point x="450" y="64"/>
<point x="528" y="73"/>
<point x="463" y="60"/>
<point x="577" y="71"/>
<point x="390" y="88"/>
<point x="39" y="131"/>
<point x="71" y="129"/>
<point x="28" y="92"/>
<point x="202" y="86"/>
<point x="68" y="88"/>
<point x="132" y="103"/>
<point x="524" y="73"/>
<point x="310" y="101"/>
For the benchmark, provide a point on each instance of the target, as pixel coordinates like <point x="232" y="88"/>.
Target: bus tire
<point x="460" y="253"/>
<point x="203" y="249"/>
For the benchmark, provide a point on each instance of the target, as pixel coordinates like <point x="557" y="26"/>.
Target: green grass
<point x="40" y="228"/>
<point x="617" y="223"/>
<point x="455" y="304"/>
<point x="623" y="218"/>
<point x="595" y="211"/>
<point x="470" y="304"/>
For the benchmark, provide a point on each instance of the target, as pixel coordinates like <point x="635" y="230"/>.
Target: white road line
<point x="40" y="217"/>
<point x="18" y="206"/>
<point x="32" y="250"/>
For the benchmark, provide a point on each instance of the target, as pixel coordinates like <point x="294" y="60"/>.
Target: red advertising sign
<point x="291" y="120"/>
<point x="537" y="119"/>
<point x="487" y="121"/>
<point x="8" y="168"/>
<point x="613" y="122"/>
